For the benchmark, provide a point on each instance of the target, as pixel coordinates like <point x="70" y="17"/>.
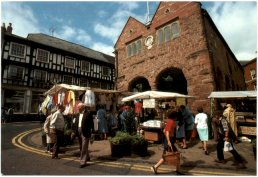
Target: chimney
<point x="3" y="28"/>
<point x="9" y="29"/>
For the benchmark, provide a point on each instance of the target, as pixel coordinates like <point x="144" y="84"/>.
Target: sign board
<point x="149" y="103"/>
<point x="180" y="101"/>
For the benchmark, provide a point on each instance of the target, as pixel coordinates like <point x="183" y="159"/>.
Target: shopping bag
<point x="227" y="146"/>
<point x="171" y="157"/>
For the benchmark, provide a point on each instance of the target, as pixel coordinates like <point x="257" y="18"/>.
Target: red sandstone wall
<point x="189" y="52"/>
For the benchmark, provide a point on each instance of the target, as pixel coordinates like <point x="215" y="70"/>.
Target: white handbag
<point x="227" y="146"/>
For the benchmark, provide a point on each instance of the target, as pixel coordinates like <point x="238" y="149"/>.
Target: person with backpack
<point x="225" y="134"/>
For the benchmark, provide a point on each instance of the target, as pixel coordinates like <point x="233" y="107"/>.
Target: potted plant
<point x="139" y="145"/>
<point x="120" y="144"/>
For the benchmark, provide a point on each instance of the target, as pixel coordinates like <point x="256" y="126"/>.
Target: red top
<point x="138" y="107"/>
<point x="170" y="126"/>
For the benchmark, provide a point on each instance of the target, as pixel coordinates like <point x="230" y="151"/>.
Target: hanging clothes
<point x="44" y="105"/>
<point x="90" y="98"/>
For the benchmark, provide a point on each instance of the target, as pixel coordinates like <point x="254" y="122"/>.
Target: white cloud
<point x="101" y="47"/>
<point x="21" y="17"/>
<point x="113" y="27"/>
<point x="237" y="22"/>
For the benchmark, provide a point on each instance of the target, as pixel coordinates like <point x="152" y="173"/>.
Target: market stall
<point x="71" y="95"/>
<point x="244" y="102"/>
<point x="156" y="103"/>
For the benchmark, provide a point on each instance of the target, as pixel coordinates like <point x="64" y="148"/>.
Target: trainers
<point x="154" y="170"/>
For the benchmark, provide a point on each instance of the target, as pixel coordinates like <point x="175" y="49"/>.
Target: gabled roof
<point x="71" y="47"/>
<point x="129" y="19"/>
<point x="244" y="63"/>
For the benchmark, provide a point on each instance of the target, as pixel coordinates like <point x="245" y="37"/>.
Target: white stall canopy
<point x="58" y="87"/>
<point x="154" y="95"/>
<point x="233" y="94"/>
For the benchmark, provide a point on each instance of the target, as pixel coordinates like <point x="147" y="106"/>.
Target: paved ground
<point x="192" y="157"/>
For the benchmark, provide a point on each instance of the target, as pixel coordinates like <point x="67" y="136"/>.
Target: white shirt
<point x="80" y="120"/>
<point x="201" y="120"/>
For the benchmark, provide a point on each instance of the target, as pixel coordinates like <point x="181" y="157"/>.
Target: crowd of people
<point x="181" y="128"/>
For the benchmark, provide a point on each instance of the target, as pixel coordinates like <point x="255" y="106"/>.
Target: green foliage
<point x="121" y="138"/>
<point x="138" y="140"/>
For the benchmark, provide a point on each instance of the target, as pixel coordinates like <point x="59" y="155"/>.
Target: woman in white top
<point x="201" y="120"/>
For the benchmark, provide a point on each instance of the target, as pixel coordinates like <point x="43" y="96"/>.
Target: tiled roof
<point x="71" y="47"/>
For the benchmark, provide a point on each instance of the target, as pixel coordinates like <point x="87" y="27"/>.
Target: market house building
<point x="30" y="66"/>
<point x="179" y="50"/>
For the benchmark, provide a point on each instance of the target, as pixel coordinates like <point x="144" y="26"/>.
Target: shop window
<point x="15" y="72"/>
<point x="168" y="32"/>
<point x="68" y="79"/>
<point x="134" y="48"/>
<point x="85" y="66"/>
<point x="17" y="50"/>
<point x="42" y="55"/>
<point x="40" y="75"/>
<point x="69" y="62"/>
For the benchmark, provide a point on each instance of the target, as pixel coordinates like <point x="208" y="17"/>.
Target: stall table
<point x="152" y="133"/>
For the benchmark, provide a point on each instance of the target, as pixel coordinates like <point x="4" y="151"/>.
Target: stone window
<point x="42" y="55"/>
<point x="17" y="50"/>
<point x="168" y="32"/>
<point x="134" y="48"/>
<point x="69" y="62"/>
<point x="15" y="72"/>
<point x="85" y="66"/>
<point x="253" y="73"/>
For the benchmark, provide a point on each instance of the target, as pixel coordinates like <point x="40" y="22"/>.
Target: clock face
<point x="149" y="41"/>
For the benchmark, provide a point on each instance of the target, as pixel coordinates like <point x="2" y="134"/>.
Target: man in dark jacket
<point x="86" y="126"/>
<point x="225" y="134"/>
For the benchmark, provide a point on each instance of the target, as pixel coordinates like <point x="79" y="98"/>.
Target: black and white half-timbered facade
<point x="32" y="65"/>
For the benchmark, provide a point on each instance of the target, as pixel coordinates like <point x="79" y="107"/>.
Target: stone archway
<point x="139" y="84"/>
<point x="172" y="80"/>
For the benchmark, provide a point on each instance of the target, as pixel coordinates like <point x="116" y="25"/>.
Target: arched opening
<point x="139" y="84"/>
<point x="172" y="80"/>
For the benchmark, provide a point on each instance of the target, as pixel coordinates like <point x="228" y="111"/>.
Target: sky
<point x="98" y="24"/>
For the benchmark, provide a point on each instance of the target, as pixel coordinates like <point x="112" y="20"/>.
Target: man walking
<point x="225" y="134"/>
<point x="57" y="128"/>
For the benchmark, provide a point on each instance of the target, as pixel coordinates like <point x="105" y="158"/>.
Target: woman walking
<point x="169" y="141"/>
<point x="202" y="128"/>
